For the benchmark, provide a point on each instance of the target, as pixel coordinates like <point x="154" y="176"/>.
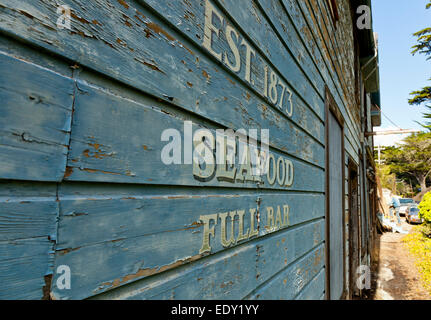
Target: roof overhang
<point x="369" y="60"/>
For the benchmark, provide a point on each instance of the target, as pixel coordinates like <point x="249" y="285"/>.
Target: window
<point x="404" y="201"/>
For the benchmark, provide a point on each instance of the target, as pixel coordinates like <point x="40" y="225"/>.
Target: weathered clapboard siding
<point x="193" y="27"/>
<point x="232" y="274"/>
<point x="309" y="34"/>
<point x="99" y="153"/>
<point x="286" y="30"/>
<point x="343" y="38"/>
<point x="345" y="26"/>
<point x="291" y="11"/>
<point x="194" y="76"/>
<point x="290" y="282"/>
<point x="35" y="121"/>
<point x="313" y="289"/>
<point x="263" y="35"/>
<point x="127" y="225"/>
<point x="352" y="143"/>
<point x="314" y="13"/>
<point x="338" y="54"/>
<point x="122" y="242"/>
<point x="28" y="217"/>
<point x="325" y="44"/>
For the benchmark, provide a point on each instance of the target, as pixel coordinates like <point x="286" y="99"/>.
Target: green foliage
<point x="387" y="179"/>
<point x="421" y="96"/>
<point x="420" y="247"/>
<point x="424" y="42"/>
<point x="425" y="208"/>
<point x="412" y="159"/>
<point x="423" y="46"/>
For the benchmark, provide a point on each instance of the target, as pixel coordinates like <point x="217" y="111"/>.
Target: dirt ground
<point x="395" y="276"/>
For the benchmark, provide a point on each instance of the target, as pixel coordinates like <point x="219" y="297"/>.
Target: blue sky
<point x="395" y="21"/>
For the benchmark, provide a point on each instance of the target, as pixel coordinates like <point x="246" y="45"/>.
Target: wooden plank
<point x="304" y="96"/>
<point x="28" y="214"/>
<point x="24" y="263"/>
<point x="343" y="42"/>
<point x="27" y="218"/>
<point x="315" y="289"/>
<point x="293" y="29"/>
<point x="100" y="153"/>
<point x="22" y="51"/>
<point x="35" y="119"/>
<point x="287" y="16"/>
<point x="290" y="282"/>
<point x="312" y="37"/>
<point x="283" y="55"/>
<point x="325" y="41"/>
<point x="283" y="246"/>
<point x="231" y="274"/>
<point x="121" y="241"/>
<point x="183" y="75"/>
<point x="315" y="14"/>
<point x="259" y="34"/>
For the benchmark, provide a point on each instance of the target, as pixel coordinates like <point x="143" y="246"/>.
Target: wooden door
<point x="354" y="224"/>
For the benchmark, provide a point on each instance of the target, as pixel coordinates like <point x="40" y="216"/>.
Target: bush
<point x="420" y="247"/>
<point x="425" y="208"/>
<point x="426" y="230"/>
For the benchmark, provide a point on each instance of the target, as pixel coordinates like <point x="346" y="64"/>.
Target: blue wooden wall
<point x="82" y="112"/>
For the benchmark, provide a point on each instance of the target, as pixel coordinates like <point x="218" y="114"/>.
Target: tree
<point x="423" y="46"/>
<point x="387" y="179"/>
<point x="412" y="158"/>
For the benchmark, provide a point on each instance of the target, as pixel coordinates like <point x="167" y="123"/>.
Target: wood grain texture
<point x="35" y="119"/>
<point x="28" y="217"/>
<point x="100" y="153"/>
<point x="288" y="283"/>
<point x="183" y="75"/>
<point x="302" y="8"/>
<point x="314" y="289"/>
<point x="292" y="26"/>
<point x="121" y="241"/>
<point x="232" y="274"/>
<point x="86" y="108"/>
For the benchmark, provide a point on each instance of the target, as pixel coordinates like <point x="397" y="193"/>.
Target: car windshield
<point x="406" y="201"/>
<point x="414" y="211"/>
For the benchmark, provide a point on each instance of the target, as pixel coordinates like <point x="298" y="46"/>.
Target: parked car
<point x="405" y="203"/>
<point x="412" y="216"/>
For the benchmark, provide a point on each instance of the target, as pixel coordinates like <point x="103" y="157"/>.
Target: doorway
<point x="335" y="226"/>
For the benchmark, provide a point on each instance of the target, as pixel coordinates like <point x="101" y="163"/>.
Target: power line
<point x="391" y="121"/>
<point x="387" y="117"/>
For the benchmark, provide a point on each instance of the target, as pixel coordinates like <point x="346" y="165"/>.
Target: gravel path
<point x="397" y="277"/>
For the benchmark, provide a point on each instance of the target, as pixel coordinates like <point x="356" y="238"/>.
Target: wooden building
<point x="109" y="119"/>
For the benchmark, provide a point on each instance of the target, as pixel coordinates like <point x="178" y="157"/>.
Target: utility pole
<point x="387" y="133"/>
<point x="379" y="149"/>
